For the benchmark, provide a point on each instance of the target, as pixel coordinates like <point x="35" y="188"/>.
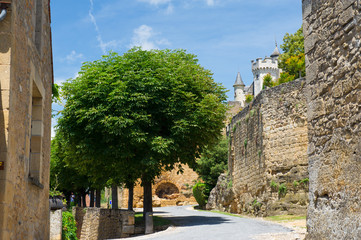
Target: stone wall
<point x="268" y="144"/>
<point x="99" y="224"/>
<point x="332" y="32"/>
<point x="25" y="118"/>
<point x="56" y="224"/>
<point x="169" y="189"/>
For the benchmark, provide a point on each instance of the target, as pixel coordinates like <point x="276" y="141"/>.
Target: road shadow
<point x="187" y="221"/>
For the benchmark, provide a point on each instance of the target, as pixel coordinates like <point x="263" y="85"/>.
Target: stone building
<point x="332" y="31"/>
<point x="260" y="68"/>
<point x="169" y="189"/>
<point x="25" y="116"/>
<point x="267" y="162"/>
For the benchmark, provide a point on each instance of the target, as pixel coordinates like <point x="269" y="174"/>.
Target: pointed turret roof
<point x="238" y="81"/>
<point x="276" y="52"/>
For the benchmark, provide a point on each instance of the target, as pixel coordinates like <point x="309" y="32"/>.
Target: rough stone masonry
<point x="267" y="161"/>
<point x="25" y="117"/>
<point x="332" y="32"/>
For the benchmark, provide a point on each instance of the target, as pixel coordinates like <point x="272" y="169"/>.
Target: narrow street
<point x="192" y="224"/>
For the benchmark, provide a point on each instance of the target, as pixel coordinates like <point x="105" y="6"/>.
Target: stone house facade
<point x="25" y="118"/>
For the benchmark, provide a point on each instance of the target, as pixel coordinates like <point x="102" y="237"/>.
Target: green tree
<point x="249" y="98"/>
<point x="267" y="81"/>
<point x="134" y="115"/>
<point x="292" y="60"/>
<point x="64" y="177"/>
<point x="212" y="163"/>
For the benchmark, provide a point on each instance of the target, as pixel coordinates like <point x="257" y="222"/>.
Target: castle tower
<point x="239" y="94"/>
<point x="262" y="67"/>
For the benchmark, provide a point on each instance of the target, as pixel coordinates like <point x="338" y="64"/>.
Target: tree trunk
<point x="91" y="198"/>
<point x="83" y="196"/>
<point x="98" y="197"/>
<point x="78" y="199"/>
<point x="147" y="203"/>
<point x="114" y="196"/>
<point x="130" y="196"/>
<point x="147" y="207"/>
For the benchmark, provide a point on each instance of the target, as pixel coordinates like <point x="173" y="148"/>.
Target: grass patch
<point x="278" y="218"/>
<point x="157" y="221"/>
<point x="220" y="212"/>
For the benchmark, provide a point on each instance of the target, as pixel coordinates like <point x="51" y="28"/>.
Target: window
<point x="36" y="137"/>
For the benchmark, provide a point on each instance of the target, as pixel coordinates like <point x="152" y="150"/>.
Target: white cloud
<point x="103" y="45"/>
<point x="210" y="2"/>
<point x="145" y="37"/>
<point x="156" y="2"/>
<point x="170" y="9"/>
<point x="73" y="56"/>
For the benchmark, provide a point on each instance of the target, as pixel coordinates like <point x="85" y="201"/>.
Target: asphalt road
<point x="199" y="225"/>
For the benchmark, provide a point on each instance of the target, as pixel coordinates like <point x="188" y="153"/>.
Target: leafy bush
<point x="249" y="98"/>
<point x="273" y="185"/>
<point x="304" y="181"/>
<point x="213" y="162"/>
<point x="69" y="226"/>
<point x="282" y="190"/>
<point x="199" y="194"/>
<point x="256" y="205"/>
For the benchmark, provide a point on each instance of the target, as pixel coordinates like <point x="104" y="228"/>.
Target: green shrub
<point x="304" y="181"/>
<point x="230" y="184"/>
<point x="282" y="190"/>
<point x="256" y="205"/>
<point x="249" y="98"/>
<point x="199" y="194"/>
<point x="296" y="183"/>
<point x="273" y="185"/>
<point x="69" y="226"/>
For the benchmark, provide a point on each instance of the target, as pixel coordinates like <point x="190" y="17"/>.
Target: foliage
<point x="54" y="192"/>
<point x="285" y="77"/>
<point x="285" y="218"/>
<point x="199" y="194"/>
<point x="220" y="212"/>
<point x="282" y="190"/>
<point x="304" y="181"/>
<point x="295" y="184"/>
<point x="273" y="185"/>
<point x="267" y="81"/>
<point x="140" y="113"/>
<point x="157" y="220"/>
<point x="245" y="143"/>
<point x="55" y="97"/>
<point x="63" y="176"/>
<point x="212" y="163"/>
<point x="249" y="98"/>
<point x="256" y="205"/>
<point x="292" y="60"/>
<point x="69" y="226"/>
<point x="230" y="184"/>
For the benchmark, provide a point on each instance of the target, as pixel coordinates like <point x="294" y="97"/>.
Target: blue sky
<point x="225" y="34"/>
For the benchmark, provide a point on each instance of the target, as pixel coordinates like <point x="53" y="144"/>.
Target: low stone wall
<point x="99" y="224"/>
<point x="56" y="224"/>
<point x="268" y="147"/>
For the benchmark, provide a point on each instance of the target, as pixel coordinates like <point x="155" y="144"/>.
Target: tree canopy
<point x="292" y="60"/>
<point x="134" y="115"/>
